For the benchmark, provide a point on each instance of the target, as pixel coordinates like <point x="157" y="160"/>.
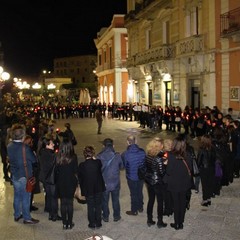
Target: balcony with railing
<point x="190" y="45"/>
<point x="117" y="63"/>
<point x="230" y="23"/>
<point x="151" y="55"/>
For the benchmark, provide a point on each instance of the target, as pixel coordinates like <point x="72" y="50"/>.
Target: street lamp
<point x="36" y="86"/>
<point x="4" y="76"/>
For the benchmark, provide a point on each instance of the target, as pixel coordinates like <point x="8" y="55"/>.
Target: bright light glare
<point x="5" y="76"/>
<point x="36" y="86"/>
<point x="130" y="90"/>
<point x="167" y="77"/>
<point x="51" y="86"/>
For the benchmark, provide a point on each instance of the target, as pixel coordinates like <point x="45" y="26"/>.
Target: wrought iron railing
<point x="230" y="22"/>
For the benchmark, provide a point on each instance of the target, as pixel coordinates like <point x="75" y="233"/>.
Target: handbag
<point x="78" y="196"/>
<point x="30" y="185"/>
<point x="31" y="181"/>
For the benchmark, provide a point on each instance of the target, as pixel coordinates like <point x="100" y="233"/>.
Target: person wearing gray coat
<point x="111" y="166"/>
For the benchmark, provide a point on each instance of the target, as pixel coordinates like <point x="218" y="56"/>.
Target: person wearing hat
<point x="111" y="166"/>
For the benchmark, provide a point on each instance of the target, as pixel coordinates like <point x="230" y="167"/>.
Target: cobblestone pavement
<point x="220" y="221"/>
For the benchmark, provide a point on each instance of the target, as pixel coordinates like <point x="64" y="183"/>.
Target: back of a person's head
<point x="28" y="140"/>
<point x="206" y="141"/>
<point x="67" y="125"/>
<point x="179" y="146"/>
<point x="88" y="152"/>
<point x="65" y="152"/>
<point x="154" y="147"/>
<point x="236" y="123"/>
<point x="107" y="142"/>
<point x="131" y="139"/>
<point x="46" y="140"/>
<point x="219" y="134"/>
<point x="18" y="131"/>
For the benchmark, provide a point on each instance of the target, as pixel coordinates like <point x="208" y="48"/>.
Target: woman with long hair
<point x="178" y="179"/>
<point x="206" y="163"/>
<point x="66" y="181"/>
<point x="155" y="169"/>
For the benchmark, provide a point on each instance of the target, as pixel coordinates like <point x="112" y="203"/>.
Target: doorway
<point x="150" y="96"/>
<point x="195" y="97"/>
<point x="168" y="87"/>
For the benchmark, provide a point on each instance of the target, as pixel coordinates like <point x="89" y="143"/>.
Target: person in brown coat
<point x="99" y="120"/>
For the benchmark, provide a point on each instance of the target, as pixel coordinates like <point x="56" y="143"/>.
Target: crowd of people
<point x="52" y="160"/>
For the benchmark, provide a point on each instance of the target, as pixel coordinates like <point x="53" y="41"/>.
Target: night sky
<point x="34" y="32"/>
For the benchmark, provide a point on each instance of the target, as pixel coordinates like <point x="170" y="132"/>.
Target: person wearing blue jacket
<point x="133" y="158"/>
<point x="15" y="149"/>
<point x="111" y="165"/>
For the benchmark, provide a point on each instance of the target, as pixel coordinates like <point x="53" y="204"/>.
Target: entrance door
<point x="195" y="97"/>
<point x="168" y="93"/>
<point x="150" y="96"/>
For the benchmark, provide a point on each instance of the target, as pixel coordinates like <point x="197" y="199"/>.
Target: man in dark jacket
<point x="68" y="134"/>
<point x="15" y="149"/>
<point x="111" y="165"/>
<point x="92" y="186"/>
<point x="133" y="158"/>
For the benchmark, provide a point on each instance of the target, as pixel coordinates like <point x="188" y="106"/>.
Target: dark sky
<point x="34" y="32"/>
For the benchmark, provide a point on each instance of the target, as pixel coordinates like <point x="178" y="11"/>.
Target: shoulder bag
<point x="31" y="181"/>
<point x="108" y="163"/>
<point x="189" y="172"/>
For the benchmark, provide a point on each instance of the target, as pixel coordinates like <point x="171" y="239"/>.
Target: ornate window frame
<point x="234" y="93"/>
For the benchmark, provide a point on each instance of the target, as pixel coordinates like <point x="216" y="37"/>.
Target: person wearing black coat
<point x="206" y="158"/>
<point x="155" y="169"/>
<point x="92" y="186"/>
<point x="47" y="159"/>
<point x="68" y="134"/>
<point x="236" y="148"/>
<point x="178" y="179"/>
<point x="66" y="181"/>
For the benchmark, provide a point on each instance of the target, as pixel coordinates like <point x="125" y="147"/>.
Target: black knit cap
<point x="107" y="142"/>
